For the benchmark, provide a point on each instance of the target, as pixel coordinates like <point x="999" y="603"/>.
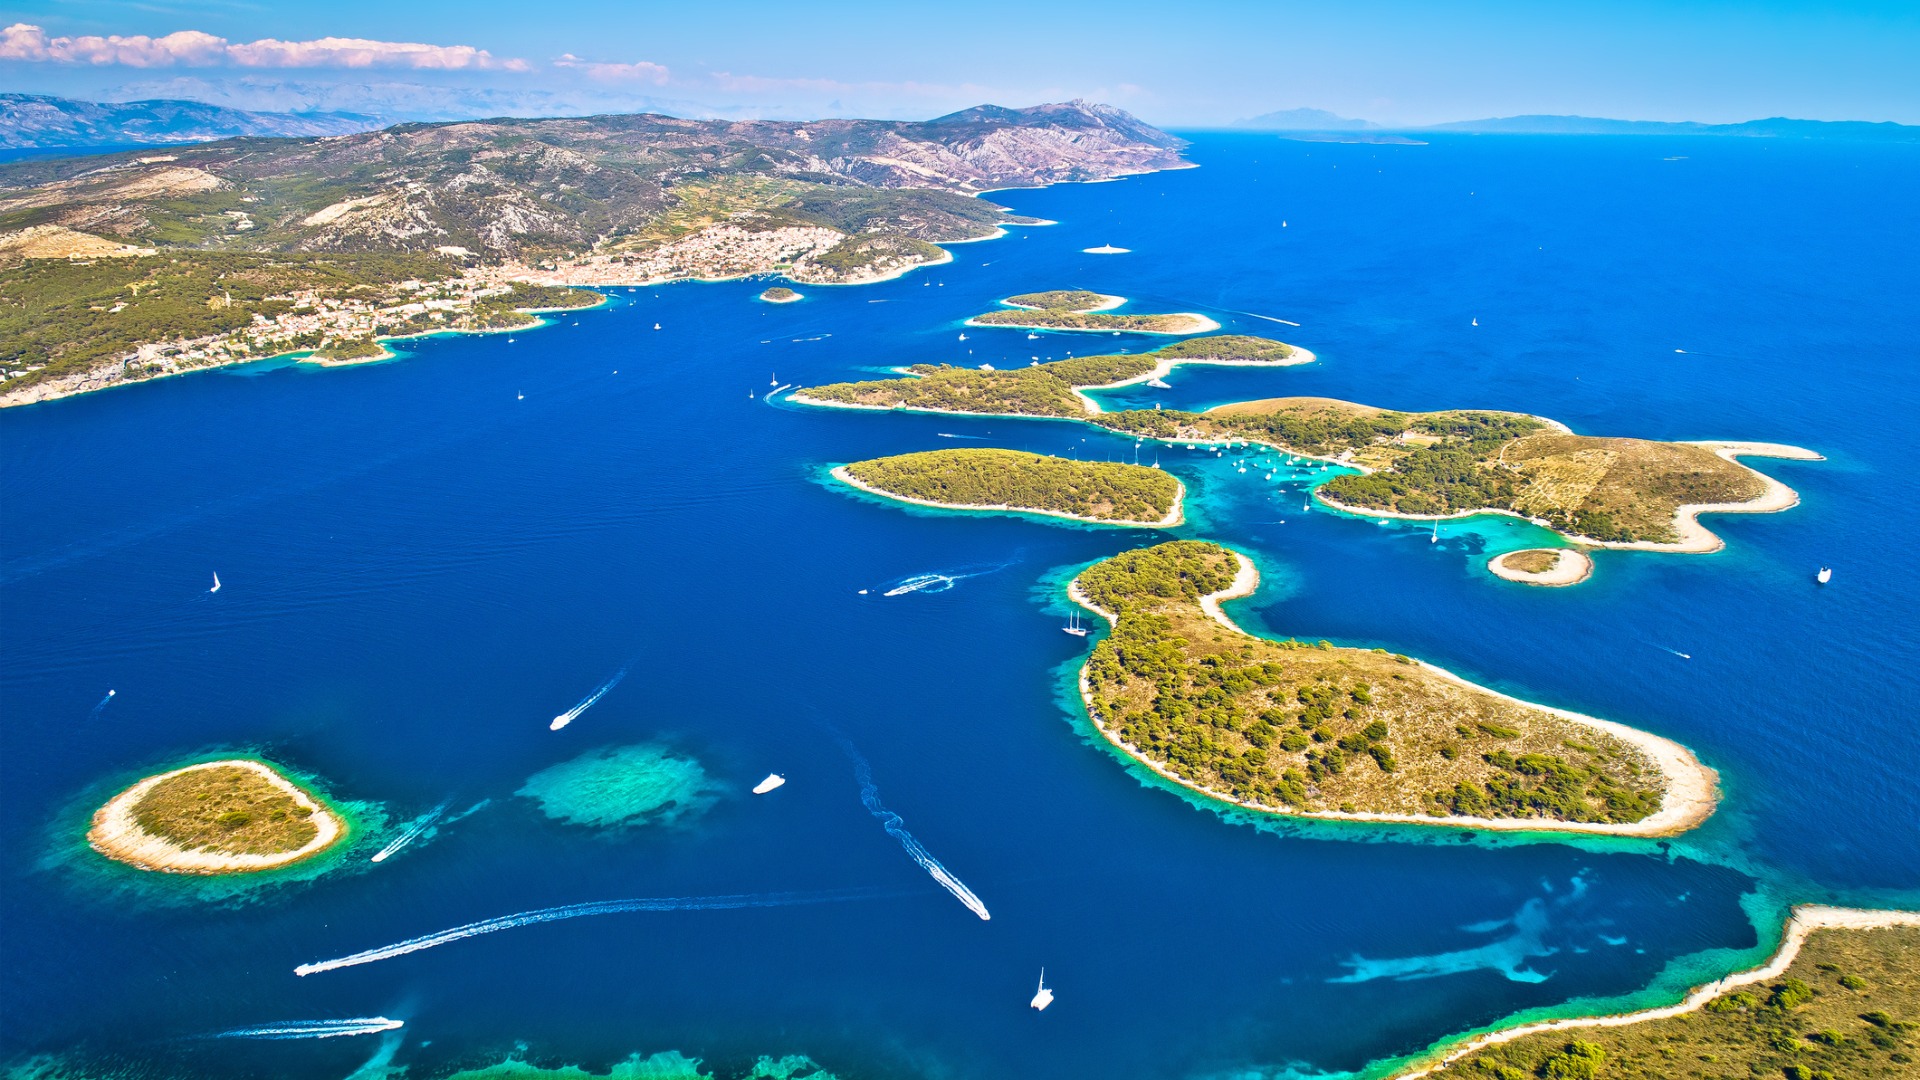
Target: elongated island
<point x="1098" y="492"/>
<point x="1078" y="309"/>
<point x="1595" y="491"/>
<point x="1840" y="998"/>
<point x="1355" y="734"/>
<point x="1046" y="390"/>
<point x="234" y="816"/>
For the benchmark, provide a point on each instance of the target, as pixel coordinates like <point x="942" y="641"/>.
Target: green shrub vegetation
<point x="1290" y="726"/>
<point x="1809" y="1024"/>
<point x="1039" y="390"/>
<point x="227" y="809"/>
<point x="1441" y="463"/>
<point x="1103" y="491"/>
<point x="1059" y="300"/>
<point x="68" y="316"/>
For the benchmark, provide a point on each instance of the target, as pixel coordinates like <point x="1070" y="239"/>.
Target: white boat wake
<point x="573" y="714"/>
<point x="921" y="583"/>
<point x="426" y="821"/>
<point x="103" y="704"/>
<point x="577" y="911"/>
<point x="315" y="1029"/>
<point x="897" y="828"/>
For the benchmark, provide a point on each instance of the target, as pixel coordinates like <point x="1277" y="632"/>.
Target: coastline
<point x="1689" y="797"/>
<point x="1089" y="406"/>
<point x="1802" y="921"/>
<point x="1571" y="567"/>
<point x="296" y="354"/>
<point x="1175" y="515"/>
<point x="1695" y="538"/>
<point x="115" y="834"/>
<point x="1195" y="324"/>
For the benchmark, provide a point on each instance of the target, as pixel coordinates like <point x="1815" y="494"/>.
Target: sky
<point x="1191" y="65"/>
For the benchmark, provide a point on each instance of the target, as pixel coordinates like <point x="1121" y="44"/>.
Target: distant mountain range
<point x="34" y="121"/>
<point x="1321" y="122"/>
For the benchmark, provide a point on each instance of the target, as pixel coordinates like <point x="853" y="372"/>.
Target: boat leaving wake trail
<point x="578" y="911"/>
<point x="572" y="714"/>
<point x="897" y="828"/>
<point x="938" y="583"/>
<point x="315" y="1029"/>
<point x="426" y="820"/>
<point x="95" y="714"/>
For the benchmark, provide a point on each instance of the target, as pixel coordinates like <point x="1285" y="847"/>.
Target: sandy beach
<point x="1689" y="798"/>
<point x="1174" y="515"/>
<point x="1803" y="921"/>
<point x="117" y="835"/>
<point x="1570" y="567"/>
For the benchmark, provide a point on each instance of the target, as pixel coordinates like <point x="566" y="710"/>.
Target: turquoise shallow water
<point x="422" y="570"/>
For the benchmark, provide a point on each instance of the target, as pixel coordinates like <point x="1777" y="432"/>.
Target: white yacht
<point x="772" y="781"/>
<point x="1044" y="997"/>
<point x="1073" y="625"/>
<point x="1159" y="384"/>
<point x="1825" y="575"/>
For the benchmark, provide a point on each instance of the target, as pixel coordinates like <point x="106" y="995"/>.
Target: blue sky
<point x="1191" y="64"/>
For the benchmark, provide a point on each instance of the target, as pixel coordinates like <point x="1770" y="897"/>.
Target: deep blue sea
<point x="422" y="567"/>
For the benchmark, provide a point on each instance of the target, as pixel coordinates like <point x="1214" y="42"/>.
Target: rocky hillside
<point x="554" y="189"/>
<point x="35" y="121"/>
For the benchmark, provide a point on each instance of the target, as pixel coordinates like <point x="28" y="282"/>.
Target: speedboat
<point x="1044" y="997"/>
<point x="772" y="781"/>
<point x="1825" y="575"/>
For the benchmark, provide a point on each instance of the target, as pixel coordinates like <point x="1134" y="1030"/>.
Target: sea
<point x="424" y="562"/>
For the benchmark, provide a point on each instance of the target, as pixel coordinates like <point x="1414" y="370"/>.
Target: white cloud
<point x="640" y="71"/>
<point x="191" y="48"/>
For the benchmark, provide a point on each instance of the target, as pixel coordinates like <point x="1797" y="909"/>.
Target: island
<point x="1841" y="998"/>
<point x="1543" y="566"/>
<point x="1598" y="492"/>
<point x="1076" y="309"/>
<point x="233" y="816"/>
<point x="139" y="264"/>
<point x="779" y="294"/>
<point x="1045" y="390"/>
<point x="1098" y="492"/>
<point x="1320" y="731"/>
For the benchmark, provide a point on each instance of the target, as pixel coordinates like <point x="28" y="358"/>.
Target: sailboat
<point x="1073" y="625"/>
<point x="656" y="326"/>
<point x="1825" y="575"/>
<point x="1044" y="997"/>
<point x="963" y="337"/>
<point x="216" y="582"/>
<point x="1476" y="320"/>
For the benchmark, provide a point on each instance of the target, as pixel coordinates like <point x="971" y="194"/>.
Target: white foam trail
<point x="576" y="911"/>
<point x="897" y="828"/>
<point x="1257" y="315"/>
<point x="315" y="1029"/>
<point x="413" y="830"/>
<point x="102" y="705"/>
<point x="468" y="812"/>
<point x="573" y="714"/>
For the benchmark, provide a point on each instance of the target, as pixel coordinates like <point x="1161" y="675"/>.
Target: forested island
<point x="1319" y="730"/>
<point x="779" y="294"/>
<point x="1078" y="309"/>
<point x="1840" y="1000"/>
<point x="1050" y="389"/>
<point x="1102" y="492"/>
<point x="1609" y="491"/>
<point x="217" y="817"/>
